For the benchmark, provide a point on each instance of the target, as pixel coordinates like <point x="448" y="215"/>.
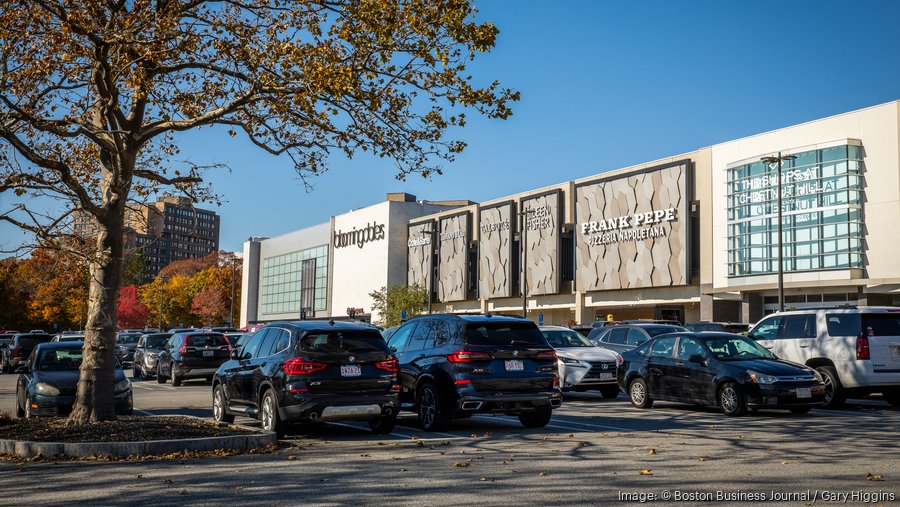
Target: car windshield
<point x="562" y="339"/>
<point x="206" y="340"/>
<point x="59" y="360"/>
<point x="706" y="326"/>
<point x="156" y="342"/>
<point x="658" y="330"/>
<point x="128" y="338"/>
<point x="504" y="333"/>
<point x="336" y="342"/>
<point x="30" y="341"/>
<point x="736" y="348"/>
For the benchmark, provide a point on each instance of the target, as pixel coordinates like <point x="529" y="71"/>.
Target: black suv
<point x="310" y="371"/>
<point x="460" y="365"/>
<point x="20" y="347"/>
<point x="191" y="355"/>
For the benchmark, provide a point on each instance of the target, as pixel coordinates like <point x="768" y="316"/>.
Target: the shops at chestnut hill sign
<point x="359" y="237"/>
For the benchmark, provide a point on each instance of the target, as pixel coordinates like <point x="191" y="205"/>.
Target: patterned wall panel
<point x="542" y="240"/>
<point x="495" y="251"/>
<point x="453" y="257"/>
<point x="419" y="258"/>
<point x="631" y="231"/>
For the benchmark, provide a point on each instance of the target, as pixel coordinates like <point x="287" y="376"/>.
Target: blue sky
<point x="604" y="85"/>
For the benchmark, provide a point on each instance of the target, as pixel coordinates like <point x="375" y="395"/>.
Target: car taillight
<point x="16" y="352"/>
<point x="463" y="382"/>
<point x="555" y="381"/>
<point x="862" y="347"/>
<point x="467" y="356"/>
<point x="546" y="355"/>
<point x="183" y="348"/>
<point x="391" y="365"/>
<point x="299" y="366"/>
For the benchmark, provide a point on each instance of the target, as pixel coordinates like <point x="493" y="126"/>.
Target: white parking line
<point x="566" y="425"/>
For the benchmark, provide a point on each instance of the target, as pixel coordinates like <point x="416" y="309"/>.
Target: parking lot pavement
<point x="593" y="451"/>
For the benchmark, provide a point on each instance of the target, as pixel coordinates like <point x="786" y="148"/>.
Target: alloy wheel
<point x="218" y="405"/>
<point x="829" y="388"/>
<point x="427" y="407"/>
<point x="268" y="411"/>
<point x="638" y="394"/>
<point x="729" y="399"/>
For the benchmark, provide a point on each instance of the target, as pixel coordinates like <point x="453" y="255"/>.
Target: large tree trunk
<point x="94" y="399"/>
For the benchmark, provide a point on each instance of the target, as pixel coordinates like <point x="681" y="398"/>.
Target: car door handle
<point x="679" y="363"/>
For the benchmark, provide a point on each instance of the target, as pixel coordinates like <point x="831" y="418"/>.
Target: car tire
<point x="136" y="372"/>
<point x="159" y="376"/>
<point x="27" y="411"/>
<point x="382" y="425"/>
<point x="175" y="379"/>
<point x="892" y="397"/>
<point x="432" y="409"/>
<point x="639" y="393"/>
<point x="220" y="404"/>
<point x="537" y="419"/>
<point x="732" y="400"/>
<point x="20" y="411"/>
<point x="800" y="410"/>
<point x="268" y="414"/>
<point x="835" y="395"/>
<point x="610" y="392"/>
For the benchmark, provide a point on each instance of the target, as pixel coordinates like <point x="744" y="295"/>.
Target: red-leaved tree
<point x="132" y="312"/>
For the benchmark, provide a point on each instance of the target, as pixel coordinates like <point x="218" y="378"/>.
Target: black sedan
<point x="48" y="381"/>
<point x="722" y="369"/>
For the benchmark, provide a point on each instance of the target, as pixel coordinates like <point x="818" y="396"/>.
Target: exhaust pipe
<point x="388" y="411"/>
<point x="472" y="405"/>
<point x="556" y="402"/>
<point x="314" y="415"/>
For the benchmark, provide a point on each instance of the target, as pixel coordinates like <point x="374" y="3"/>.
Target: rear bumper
<point x="505" y="403"/>
<point x="774" y="396"/>
<point x="862" y="374"/>
<point x="189" y="372"/>
<point x="318" y="407"/>
<point x="50" y="406"/>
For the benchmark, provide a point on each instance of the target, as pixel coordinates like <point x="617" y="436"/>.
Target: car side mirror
<point x="22" y="369"/>
<point x="393" y="350"/>
<point x="235" y="354"/>
<point x="697" y="358"/>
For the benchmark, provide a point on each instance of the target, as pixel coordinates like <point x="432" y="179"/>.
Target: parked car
<point x="387" y="333"/>
<point x="652" y="321"/>
<point x="233" y="337"/>
<point x="736" y="327"/>
<point x="126" y="343"/>
<point x="222" y="329"/>
<point x="699" y="327"/>
<point x="582" y="365"/>
<point x="68" y="338"/>
<point x="20" y="348"/>
<point x="460" y="365"/>
<point x="726" y="370"/>
<point x="628" y="336"/>
<point x="146" y="354"/>
<point x="48" y="381"/>
<point x="191" y="355"/>
<point x="856" y="350"/>
<point x="310" y="371"/>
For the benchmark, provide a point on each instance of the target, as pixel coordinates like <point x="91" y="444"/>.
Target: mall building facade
<point x="689" y="237"/>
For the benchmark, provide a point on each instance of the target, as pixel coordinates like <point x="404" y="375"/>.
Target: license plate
<point x="515" y="365"/>
<point x="351" y="370"/>
<point x="803" y="392"/>
<point x="605" y="376"/>
<point x="208" y="353"/>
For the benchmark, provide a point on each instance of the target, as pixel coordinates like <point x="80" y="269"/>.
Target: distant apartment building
<point x="171" y="229"/>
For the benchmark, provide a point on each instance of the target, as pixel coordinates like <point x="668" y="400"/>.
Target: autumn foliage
<point x="132" y="312"/>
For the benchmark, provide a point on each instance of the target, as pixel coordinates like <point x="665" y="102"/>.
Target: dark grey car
<point x="146" y="354"/>
<point x="625" y="337"/>
<point x="126" y="344"/>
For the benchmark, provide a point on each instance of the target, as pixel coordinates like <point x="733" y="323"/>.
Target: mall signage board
<point x="495" y="250"/>
<point x="419" y="254"/>
<point x="632" y="230"/>
<point x="453" y="254"/>
<point x="542" y="240"/>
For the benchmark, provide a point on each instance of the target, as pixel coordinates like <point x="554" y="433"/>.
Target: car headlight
<point x="568" y="360"/>
<point x="761" y="378"/>
<point x="817" y="375"/>
<point x="46" y="389"/>
<point x="122" y="385"/>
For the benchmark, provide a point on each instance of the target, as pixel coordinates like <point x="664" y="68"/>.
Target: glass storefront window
<point x="283" y="281"/>
<point x="821" y="205"/>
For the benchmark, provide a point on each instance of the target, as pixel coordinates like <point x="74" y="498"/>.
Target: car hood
<point x="587" y="353"/>
<point x="777" y="367"/>
<point x="67" y="379"/>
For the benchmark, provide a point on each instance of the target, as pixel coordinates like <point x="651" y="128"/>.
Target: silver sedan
<point x="582" y="365"/>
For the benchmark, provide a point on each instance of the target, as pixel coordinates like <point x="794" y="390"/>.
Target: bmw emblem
<point x="605" y="366"/>
<point x="352" y="359"/>
<point x="515" y="353"/>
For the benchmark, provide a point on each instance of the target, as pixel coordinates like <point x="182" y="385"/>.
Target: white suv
<point x="856" y="350"/>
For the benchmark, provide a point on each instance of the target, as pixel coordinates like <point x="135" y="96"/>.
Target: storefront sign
<point x="419" y="254"/>
<point x="359" y="237"/>
<point x="495" y="251"/>
<point x="453" y="253"/>
<point x="632" y="230"/>
<point x="542" y="220"/>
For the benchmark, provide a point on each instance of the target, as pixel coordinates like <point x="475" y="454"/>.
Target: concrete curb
<point x="27" y="449"/>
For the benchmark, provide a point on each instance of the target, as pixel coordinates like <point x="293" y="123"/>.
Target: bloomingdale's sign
<point x="637" y="227"/>
<point x="359" y="237"/>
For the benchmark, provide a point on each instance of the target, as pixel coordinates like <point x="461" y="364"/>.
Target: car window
<point x="440" y="333"/>
<point x="561" y="339"/>
<point x="843" y="324"/>
<point x="252" y="347"/>
<point x="206" y="340"/>
<point x="128" y="338"/>
<point x="735" y="347"/>
<point x="284" y="341"/>
<point x="59" y="360"/>
<point x="504" y="334"/>
<point x="658" y="330"/>
<point x="635" y="337"/>
<point x="420" y="338"/>
<point x="881" y="324"/>
<point x="156" y="341"/>
<point x="688" y="347"/>
<point x="767" y="329"/>
<point x="799" y="326"/>
<point x="616" y="335"/>
<point x="30" y="341"/>
<point x="663" y="347"/>
<point x="401" y="337"/>
<point x="267" y="347"/>
<point x="340" y="342"/>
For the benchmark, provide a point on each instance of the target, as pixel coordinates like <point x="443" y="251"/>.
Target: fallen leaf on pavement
<point x="646" y="472"/>
<point x="872" y="477"/>
<point x="542" y="474"/>
<point x="292" y="458"/>
<point x="651" y="451"/>
<point x="458" y="464"/>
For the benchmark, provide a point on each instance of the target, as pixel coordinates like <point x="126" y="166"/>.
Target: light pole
<point x="231" y="322"/>
<point x="523" y="238"/>
<point x="779" y="162"/>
